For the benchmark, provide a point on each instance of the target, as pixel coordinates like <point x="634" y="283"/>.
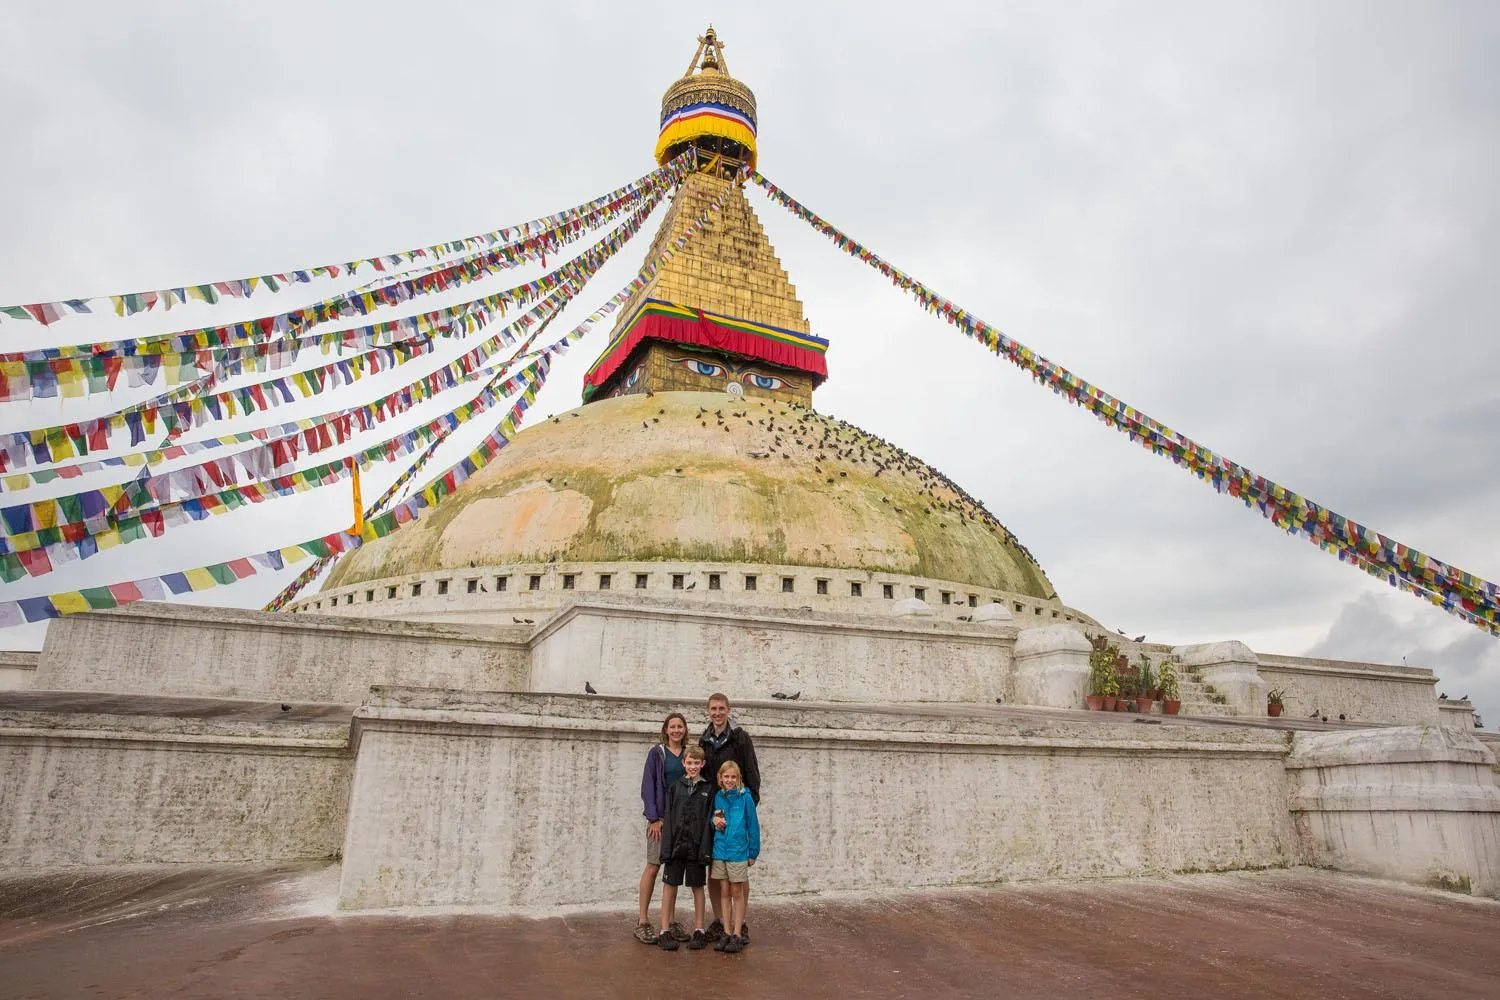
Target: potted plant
<point x="1146" y="692"/>
<point x="1275" y="699"/>
<point x="1102" y="683"/>
<point x="1124" y="691"/>
<point x="1167" y="684"/>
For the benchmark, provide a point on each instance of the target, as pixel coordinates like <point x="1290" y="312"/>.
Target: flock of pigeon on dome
<point x="213" y="382"/>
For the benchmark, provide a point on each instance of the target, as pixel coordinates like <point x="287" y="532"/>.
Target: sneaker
<point x="698" y="940"/>
<point x="678" y="934"/>
<point x="716" y="931"/>
<point x="733" y="945"/>
<point x="744" y="934"/>
<point x="666" y="942"/>
<point x="721" y="944"/>
<point x="644" y="934"/>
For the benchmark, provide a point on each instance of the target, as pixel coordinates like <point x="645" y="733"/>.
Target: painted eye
<point x="633" y="378"/>
<point x="765" y="381"/>
<point x="705" y="368"/>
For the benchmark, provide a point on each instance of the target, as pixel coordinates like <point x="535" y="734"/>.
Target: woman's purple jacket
<point x="654" y="784"/>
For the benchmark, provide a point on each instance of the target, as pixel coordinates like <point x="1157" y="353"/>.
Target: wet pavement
<point x="260" y="931"/>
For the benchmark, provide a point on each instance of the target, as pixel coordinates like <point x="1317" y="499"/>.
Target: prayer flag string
<point x="1446" y="586"/>
<point x="130" y="303"/>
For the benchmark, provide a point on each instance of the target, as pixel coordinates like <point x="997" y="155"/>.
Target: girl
<point x="663" y="766"/>
<point x="736" y="847"/>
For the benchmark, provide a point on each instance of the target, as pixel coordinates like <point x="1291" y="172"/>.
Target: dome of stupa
<point x="707" y="477"/>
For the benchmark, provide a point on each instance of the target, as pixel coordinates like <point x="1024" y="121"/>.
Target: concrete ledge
<point x="1418" y="803"/>
<point x="217" y="652"/>
<point x="689" y="652"/>
<point x="1366" y="692"/>
<point x="508" y="800"/>
<point x="17" y="668"/>
<point x="97" y="796"/>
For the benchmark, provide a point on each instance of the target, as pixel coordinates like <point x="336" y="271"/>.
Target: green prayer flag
<point x="99" y="598"/>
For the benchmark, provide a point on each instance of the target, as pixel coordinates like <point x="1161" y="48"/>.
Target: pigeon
<point x="999" y="701"/>
<point x="1325" y="718"/>
<point x="1443" y="696"/>
<point x="588" y="688"/>
<point x="515" y="620"/>
<point x="1315" y="713"/>
<point x="1120" y="630"/>
<point x="691" y="585"/>
<point x="1139" y="638"/>
<point x="1463" y="697"/>
<point x="780" y="695"/>
<point x="965" y="618"/>
<point x="794" y="697"/>
<point x="1341" y="717"/>
<point x="528" y="621"/>
<point x="285" y="707"/>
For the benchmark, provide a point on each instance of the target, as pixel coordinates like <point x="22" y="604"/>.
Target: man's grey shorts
<point x="653" y="847"/>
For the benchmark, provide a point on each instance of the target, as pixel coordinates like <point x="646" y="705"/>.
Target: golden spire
<point x="708" y="110"/>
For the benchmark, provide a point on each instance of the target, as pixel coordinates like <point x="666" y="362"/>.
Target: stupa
<point x="915" y="686"/>
<point x="697" y="463"/>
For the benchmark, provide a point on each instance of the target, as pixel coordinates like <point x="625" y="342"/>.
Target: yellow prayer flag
<point x="70" y="603"/>
<point x="200" y="579"/>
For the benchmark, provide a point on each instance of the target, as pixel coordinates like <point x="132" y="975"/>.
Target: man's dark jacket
<point x="733" y="744"/>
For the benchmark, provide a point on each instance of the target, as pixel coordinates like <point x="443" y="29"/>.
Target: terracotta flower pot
<point x="1122" y="704"/>
<point x="1094" y="701"/>
<point x="1170" y="707"/>
<point x="1109" y="703"/>
<point x="1143" y="705"/>
<point x="1273" y="710"/>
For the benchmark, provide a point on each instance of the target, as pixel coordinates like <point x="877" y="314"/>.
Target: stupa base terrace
<point x="462" y="766"/>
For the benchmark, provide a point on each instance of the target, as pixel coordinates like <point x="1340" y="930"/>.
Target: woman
<point x="663" y="766"/>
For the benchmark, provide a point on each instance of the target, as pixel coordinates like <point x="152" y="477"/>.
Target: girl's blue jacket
<point x="740" y="840"/>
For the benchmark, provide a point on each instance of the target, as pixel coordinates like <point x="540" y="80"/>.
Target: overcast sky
<point x="1273" y="226"/>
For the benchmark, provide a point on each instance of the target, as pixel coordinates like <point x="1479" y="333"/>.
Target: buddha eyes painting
<point x="727" y="368"/>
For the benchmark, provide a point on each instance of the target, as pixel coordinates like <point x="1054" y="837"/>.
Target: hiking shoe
<point x="721" y="944"/>
<point x="678" y="934"/>
<point x="698" y="940"/>
<point x="644" y="934"/>
<point x="666" y="942"/>
<point x="716" y="931"/>
<point x="744" y="934"/>
<point x="733" y="945"/>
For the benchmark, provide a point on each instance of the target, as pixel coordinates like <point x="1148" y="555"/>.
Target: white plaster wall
<point x="670" y="652"/>
<point x="1417" y="803"/>
<point x="535" y="802"/>
<point x="93" y="798"/>
<point x="17" y="668"/>
<point x="1454" y="714"/>
<point x="229" y="653"/>
<point x="1364" y="692"/>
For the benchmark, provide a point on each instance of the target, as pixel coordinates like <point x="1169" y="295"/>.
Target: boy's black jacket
<point x="687" y="834"/>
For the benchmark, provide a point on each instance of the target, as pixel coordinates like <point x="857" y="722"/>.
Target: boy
<point x="686" y="847"/>
<point x="736" y="846"/>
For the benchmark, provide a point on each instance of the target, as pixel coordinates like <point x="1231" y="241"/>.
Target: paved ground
<point x="261" y="932"/>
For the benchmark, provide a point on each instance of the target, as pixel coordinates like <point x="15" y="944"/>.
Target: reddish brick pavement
<point x="1297" y="933"/>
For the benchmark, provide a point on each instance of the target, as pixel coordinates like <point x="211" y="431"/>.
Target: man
<point x="725" y="740"/>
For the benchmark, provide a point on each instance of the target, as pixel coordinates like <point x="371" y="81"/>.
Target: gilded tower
<point x="721" y="315"/>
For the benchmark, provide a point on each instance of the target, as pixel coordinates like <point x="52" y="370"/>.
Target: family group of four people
<point x="701" y="826"/>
